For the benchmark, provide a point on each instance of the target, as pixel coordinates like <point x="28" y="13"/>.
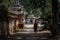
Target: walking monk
<point x="35" y="26"/>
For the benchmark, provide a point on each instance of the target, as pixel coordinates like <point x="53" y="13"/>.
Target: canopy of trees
<point x="40" y="8"/>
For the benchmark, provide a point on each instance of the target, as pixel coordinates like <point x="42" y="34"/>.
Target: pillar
<point x="14" y="25"/>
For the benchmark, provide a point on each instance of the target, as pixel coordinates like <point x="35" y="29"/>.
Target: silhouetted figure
<point x="35" y="26"/>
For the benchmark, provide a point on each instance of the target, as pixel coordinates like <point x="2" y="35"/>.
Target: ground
<point x="29" y="34"/>
<point x="43" y="35"/>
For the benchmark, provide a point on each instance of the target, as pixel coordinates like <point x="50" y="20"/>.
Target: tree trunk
<point x="4" y="29"/>
<point x="3" y="35"/>
<point x="54" y="27"/>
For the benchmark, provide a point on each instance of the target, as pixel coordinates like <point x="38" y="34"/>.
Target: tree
<point x="55" y="29"/>
<point x="8" y="2"/>
<point x="4" y="21"/>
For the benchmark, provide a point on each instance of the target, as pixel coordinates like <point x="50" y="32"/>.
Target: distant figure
<point x="35" y="26"/>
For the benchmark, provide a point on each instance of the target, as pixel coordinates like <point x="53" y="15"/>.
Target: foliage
<point x="7" y="3"/>
<point x="44" y="7"/>
<point x="0" y="1"/>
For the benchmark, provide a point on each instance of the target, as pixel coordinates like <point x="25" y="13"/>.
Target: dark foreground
<point x="31" y="36"/>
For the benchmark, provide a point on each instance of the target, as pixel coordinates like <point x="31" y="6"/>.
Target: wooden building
<point x="16" y="16"/>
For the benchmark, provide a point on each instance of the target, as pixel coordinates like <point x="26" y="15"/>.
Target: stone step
<point x="31" y="38"/>
<point x="32" y="32"/>
<point x="29" y="30"/>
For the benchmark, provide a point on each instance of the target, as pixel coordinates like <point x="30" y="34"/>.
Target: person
<point x="35" y="26"/>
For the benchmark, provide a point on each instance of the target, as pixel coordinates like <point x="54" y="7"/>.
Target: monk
<point x="35" y="26"/>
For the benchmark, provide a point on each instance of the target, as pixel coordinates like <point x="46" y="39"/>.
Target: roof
<point x="31" y="16"/>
